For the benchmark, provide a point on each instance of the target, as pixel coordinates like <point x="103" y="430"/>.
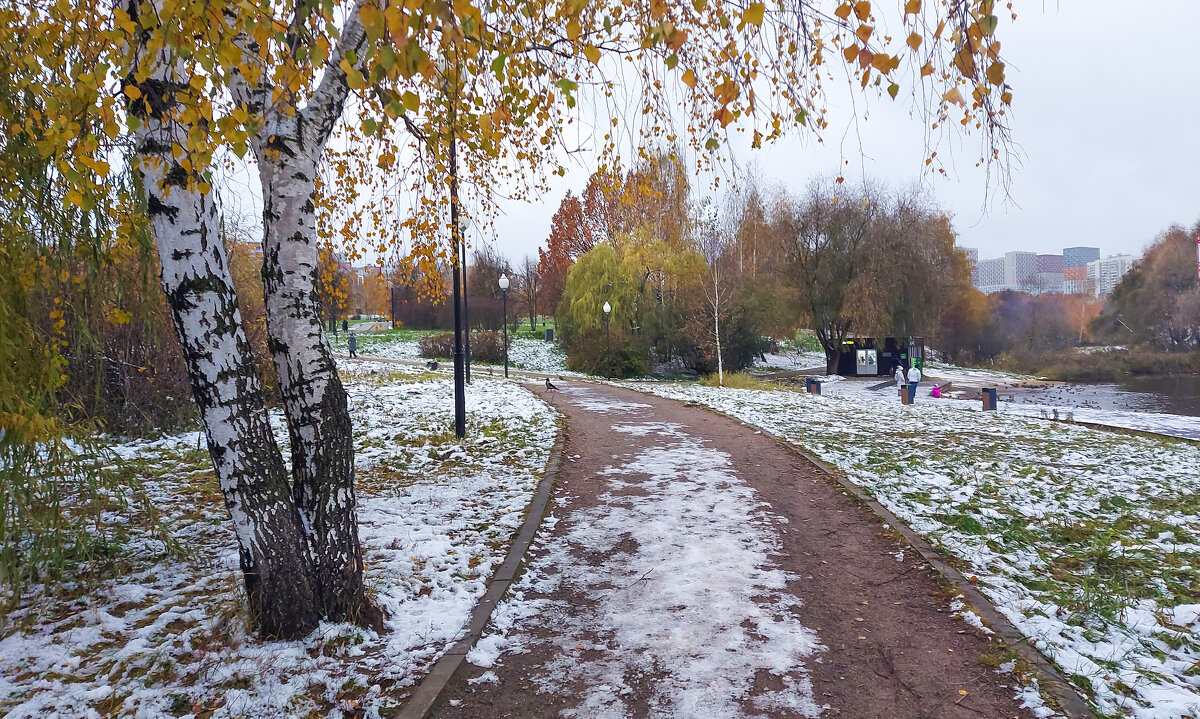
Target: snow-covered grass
<point x="1089" y="542"/>
<point x="785" y="360"/>
<point x="168" y="636"/>
<point x="536" y="355"/>
<point x="1065" y="405"/>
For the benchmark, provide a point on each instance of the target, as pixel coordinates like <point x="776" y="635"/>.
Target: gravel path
<point x="692" y="567"/>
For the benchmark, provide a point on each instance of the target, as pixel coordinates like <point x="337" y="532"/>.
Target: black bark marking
<point x="280" y="144"/>
<point x="176" y="176"/>
<point x="157" y="208"/>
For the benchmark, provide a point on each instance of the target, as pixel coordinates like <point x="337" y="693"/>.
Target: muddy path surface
<point x="692" y="567"/>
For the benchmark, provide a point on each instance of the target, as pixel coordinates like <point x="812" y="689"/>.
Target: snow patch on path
<point x="687" y="604"/>
<point x="593" y="401"/>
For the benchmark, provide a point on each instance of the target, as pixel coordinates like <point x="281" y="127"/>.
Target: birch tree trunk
<point x="717" y="328"/>
<point x="288" y="150"/>
<point x="313" y="397"/>
<point x="199" y="289"/>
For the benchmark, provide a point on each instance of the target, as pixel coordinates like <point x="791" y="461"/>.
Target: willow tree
<point x="348" y="110"/>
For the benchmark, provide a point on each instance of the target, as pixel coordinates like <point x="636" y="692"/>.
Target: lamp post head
<point x="503" y="282"/>
<point x="607" y="307"/>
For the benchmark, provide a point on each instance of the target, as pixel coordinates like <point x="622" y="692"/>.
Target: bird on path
<point x="549" y="385"/>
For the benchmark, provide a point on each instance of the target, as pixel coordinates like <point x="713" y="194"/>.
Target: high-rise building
<point x="1020" y="270"/>
<point x="1079" y="256"/>
<point x="1075" y="280"/>
<point x="1049" y="263"/>
<point x="1106" y="273"/>
<point x="990" y="275"/>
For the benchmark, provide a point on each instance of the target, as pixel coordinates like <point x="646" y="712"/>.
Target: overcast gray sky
<point x="1106" y="118"/>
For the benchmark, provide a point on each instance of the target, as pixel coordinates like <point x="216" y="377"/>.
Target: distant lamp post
<point x="503" y="282"/>
<point x="607" y="337"/>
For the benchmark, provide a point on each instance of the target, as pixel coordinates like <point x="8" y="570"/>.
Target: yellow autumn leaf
<point x="132" y="92"/>
<point x="914" y="41"/>
<point x="912" y="6"/>
<point x="372" y="20"/>
<point x="995" y="73"/>
<point x="843" y="11"/>
<point x="753" y="15"/>
<point x="954" y="96"/>
<point x="592" y="53"/>
<point x="881" y="62"/>
<point x="689" y="79"/>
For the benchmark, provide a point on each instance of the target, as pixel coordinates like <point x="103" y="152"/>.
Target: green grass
<point x="739" y="380"/>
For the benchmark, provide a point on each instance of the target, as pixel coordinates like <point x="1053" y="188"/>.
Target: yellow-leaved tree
<point x="349" y="111"/>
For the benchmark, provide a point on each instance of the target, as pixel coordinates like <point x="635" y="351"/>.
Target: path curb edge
<point x="426" y="694"/>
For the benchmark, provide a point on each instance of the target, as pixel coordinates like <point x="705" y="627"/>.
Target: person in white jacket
<point x="914" y="379"/>
<point x="899" y="375"/>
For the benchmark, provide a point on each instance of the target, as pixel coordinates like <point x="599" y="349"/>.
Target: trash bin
<point x="549" y="334"/>
<point x="808" y="384"/>
<point x="816" y="386"/>
<point x="905" y="395"/>
<point x="989" y="398"/>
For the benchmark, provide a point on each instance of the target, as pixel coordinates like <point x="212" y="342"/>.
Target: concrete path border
<point x="1050" y="679"/>
<point x="421" y="701"/>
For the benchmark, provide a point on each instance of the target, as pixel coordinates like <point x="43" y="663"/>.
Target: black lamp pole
<point x="460" y="391"/>
<point x="466" y="316"/>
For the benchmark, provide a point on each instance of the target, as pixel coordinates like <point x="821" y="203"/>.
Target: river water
<point x="1174" y="394"/>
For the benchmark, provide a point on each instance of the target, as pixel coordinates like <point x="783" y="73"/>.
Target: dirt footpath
<point x="695" y="568"/>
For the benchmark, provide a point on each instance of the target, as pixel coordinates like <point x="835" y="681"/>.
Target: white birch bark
<point x="288" y="150"/>
<point x="225" y="384"/>
<point x="717" y="327"/>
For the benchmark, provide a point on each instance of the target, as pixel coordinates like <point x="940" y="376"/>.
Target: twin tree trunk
<point x="313" y="397"/>
<point x="297" y="541"/>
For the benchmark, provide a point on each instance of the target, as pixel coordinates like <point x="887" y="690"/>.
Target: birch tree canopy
<point x="347" y="109"/>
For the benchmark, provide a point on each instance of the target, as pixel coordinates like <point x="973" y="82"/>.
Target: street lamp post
<point x="460" y="391"/>
<point x="607" y="338"/>
<point x="462" y="231"/>
<point x="503" y="282"/>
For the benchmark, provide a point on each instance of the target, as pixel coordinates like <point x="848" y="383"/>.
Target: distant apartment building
<point x="1106" y="273"/>
<point x="1079" y="256"/>
<point x="1075" y="281"/>
<point x="1049" y="264"/>
<point x="1021" y="270"/>
<point x="1049" y="282"/>
<point x="989" y="276"/>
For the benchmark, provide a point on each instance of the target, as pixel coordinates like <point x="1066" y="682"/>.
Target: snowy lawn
<point x="1062" y="406"/>
<point x="1089" y="542"/>
<point x="535" y="355"/>
<point x="168" y="636"/>
<point x="785" y="360"/>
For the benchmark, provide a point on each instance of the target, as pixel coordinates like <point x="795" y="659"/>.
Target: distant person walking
<point x="352" y="345"/>
<point x="914" y="379"/>
<point x="899" y="375"/>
